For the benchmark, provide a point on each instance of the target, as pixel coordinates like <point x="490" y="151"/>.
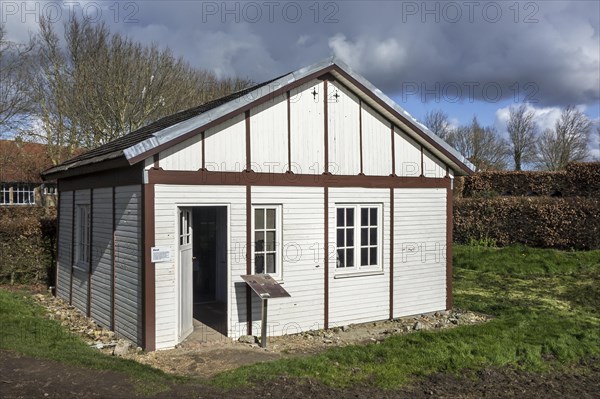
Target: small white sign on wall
<point x="161" y="254"/>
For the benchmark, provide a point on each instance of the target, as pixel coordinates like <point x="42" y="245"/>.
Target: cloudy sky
<point x="464" y="57"/>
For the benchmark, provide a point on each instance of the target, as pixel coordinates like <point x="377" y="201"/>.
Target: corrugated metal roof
<point x="141" y="141"/>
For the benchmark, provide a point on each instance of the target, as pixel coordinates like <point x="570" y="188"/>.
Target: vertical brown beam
<point x="326" y="258"/>
<point x="148" y="273"/>
<point x="72" y="246"/>
<point x="156" y="159"/>
<point x="203" y="136"/>
<point x="90" y="252"/>
<point x="360" y="135"/>
<point x="114" y="262"/>
<point x="449" y="224"/>
<point x="289" y="131"/>
<point x="326" y="127"/>
<point x="248" y="257"/>
<point x="393" y="150"/>
<point x="391" y="253"/>
<point x="248" y="148"/>
<point x="447" y="171"/>
<point x="58" y="203"/>
<point x="422" y="163"/>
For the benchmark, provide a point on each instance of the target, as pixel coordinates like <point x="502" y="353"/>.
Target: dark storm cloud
<point x="542" y="51"/>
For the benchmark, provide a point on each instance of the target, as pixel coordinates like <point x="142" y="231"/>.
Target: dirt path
<point x="26" y="377"/>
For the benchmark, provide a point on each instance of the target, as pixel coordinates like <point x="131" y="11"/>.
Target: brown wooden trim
<point x="127" y="176"/>
<point x="326" y="127"/>
<point x="268" y="97"/>
<point x="248" y="257"/>
<point x="109" y="164"/>
<point x="449" y="226"/>
<point x="326" y="259"/>
<point x="289" y="131"/>
<point x="114" y="262"/>
<point x="156" y="159"/>
<point x="58" y="201"/>
<point x="403" y="119"/>
<point x="148" y="272"/>
<point x="447" y="171"/>
<point x="72" y="247"/>
<point x="360" y="134"/>
<point x="297" y="180"/>
<point x="422" y="163"/>
<point x="203" y="136"/>
<point x="393" y="150"/>
<point x="391" y="253"/>
<point x="89" y="294"/>
<point x="248" y="147"/>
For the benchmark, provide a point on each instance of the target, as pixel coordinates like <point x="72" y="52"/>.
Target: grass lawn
<point x="24" y="329"/>
<point x="546" y="305"/>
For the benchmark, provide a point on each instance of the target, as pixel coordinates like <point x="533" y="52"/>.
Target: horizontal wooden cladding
<point x="159" y="176"/>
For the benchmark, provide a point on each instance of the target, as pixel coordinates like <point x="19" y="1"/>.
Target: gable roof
<point x="157" y="136"/>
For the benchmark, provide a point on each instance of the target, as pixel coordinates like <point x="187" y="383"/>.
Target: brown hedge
<point x="27" y="245"/>
<point x="562" y="223"/>
<point x="577" y="180"/>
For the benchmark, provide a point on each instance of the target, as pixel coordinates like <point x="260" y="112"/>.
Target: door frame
<point x="194" y="204"/>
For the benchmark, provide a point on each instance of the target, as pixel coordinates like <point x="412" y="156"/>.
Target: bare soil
<point x="26" y="377"/>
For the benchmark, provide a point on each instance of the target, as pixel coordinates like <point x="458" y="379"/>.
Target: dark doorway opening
<point x="210" y="266"/>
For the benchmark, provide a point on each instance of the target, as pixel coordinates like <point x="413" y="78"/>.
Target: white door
<point x="186" y="293"/>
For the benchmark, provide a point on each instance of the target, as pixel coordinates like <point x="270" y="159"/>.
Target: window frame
<point x="5" y="194"/>
<point x="358" y="244"/>
<point x="278" y="251"/>
<point x="83" y="235"/>
<point x="27" y="190"/>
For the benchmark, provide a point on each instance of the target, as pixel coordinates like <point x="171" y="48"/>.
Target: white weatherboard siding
<point x="377" y="143"/>
<point x="308" y="128"/>
<point x="269" y="136"/>
<point x="343" y="131"/>
<point x="102" y="256"/>
<point x="80" y="271"/>
<point x="128" y="256"/>
<point x="302" y="253"/>
<point x="167" y="199"/>
<point x="432" y="167"/>
<point x="408" y="155"/>
<point x="363" y="298"/>
<point x="186" y="155"/>
<point x="419" y="251"/>
<point x="65" y="237"/>
<point x="225" y="146"/>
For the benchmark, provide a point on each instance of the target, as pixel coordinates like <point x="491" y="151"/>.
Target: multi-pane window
<point x="23" y="194"/>
<point x="82" y="247"/>
<point x="358" y="237"/>
<point x="267" y="232"/>
<point x="49" y="189"/>
<point x="185" y="227"/>
<point x="4" y="194"/>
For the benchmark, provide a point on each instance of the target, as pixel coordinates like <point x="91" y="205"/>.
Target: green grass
<point x="545" y="304"/>
<point x="24" y="329"/>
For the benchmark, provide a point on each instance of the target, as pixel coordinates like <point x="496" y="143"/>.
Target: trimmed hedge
<point x="577" y="180"/>
<point x="562" y="223"/>
<point x="27" y="245"/>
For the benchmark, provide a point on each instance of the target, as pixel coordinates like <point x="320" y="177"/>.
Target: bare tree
<point x="521" y="129"/>
<point x="568" y="142"/>
<point x="437" y="122"/>
<point x="481" y="145"/>
<point x="93" y="86"/>
<point x="15" y="105"/>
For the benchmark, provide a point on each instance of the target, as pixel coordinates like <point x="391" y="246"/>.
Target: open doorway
<point x="203" y="268"/>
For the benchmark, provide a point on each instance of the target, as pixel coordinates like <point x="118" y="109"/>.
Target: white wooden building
<point x="316" y="178"/>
